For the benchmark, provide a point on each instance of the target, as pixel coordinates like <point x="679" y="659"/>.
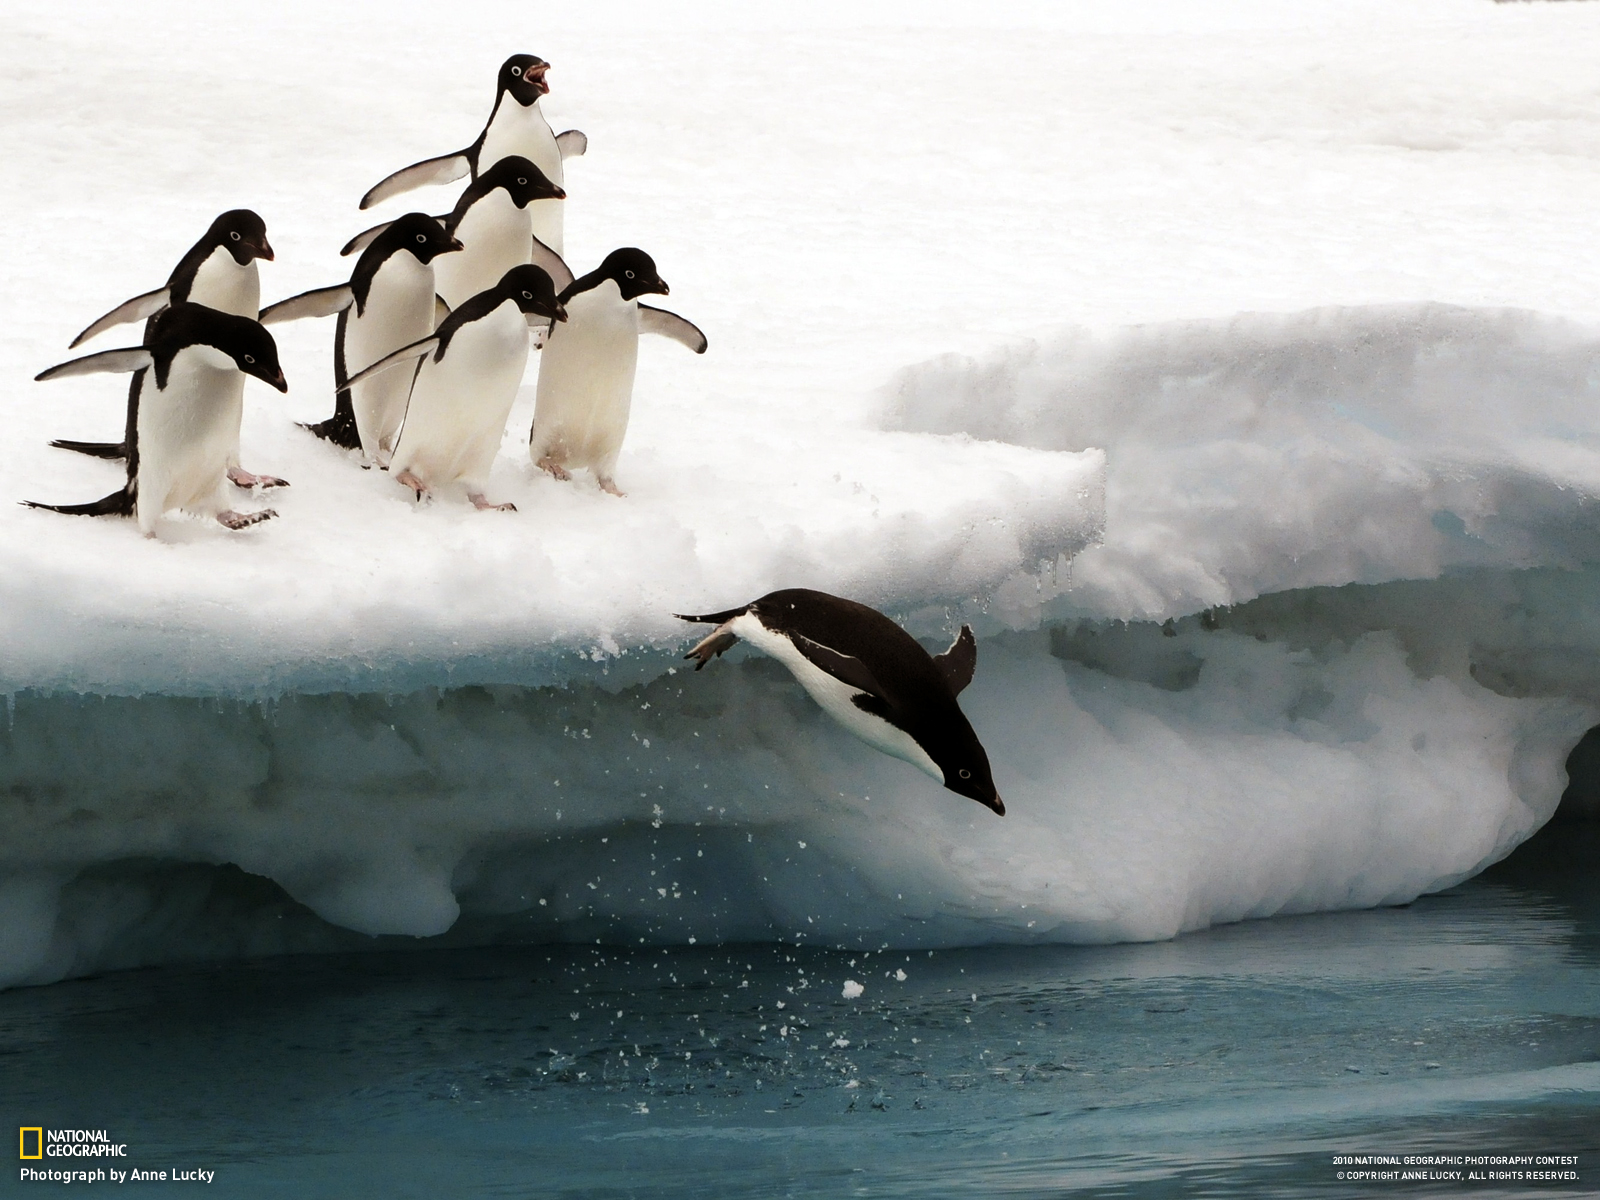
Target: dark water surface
<point x="1237" y="1062"/>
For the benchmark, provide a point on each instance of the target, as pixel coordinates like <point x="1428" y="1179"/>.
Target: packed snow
<point x="1230" y="367"/>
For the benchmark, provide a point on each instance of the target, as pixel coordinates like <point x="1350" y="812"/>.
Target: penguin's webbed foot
<point x="712" y="645"/>
<point x="549" y="464"/>
<point x="412" y="482"/>
<point x="239" y="477"/>
<point x="609" y="486"/>
<point x="239" y="520"/>
<point x="481" y="503"/>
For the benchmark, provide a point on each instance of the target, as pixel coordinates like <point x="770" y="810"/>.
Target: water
<point x="1236" y="1062"/>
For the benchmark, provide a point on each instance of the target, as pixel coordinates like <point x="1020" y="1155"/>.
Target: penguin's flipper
<point x="93" y="449"/>
<point x="133" y="358"/>
<point x="323" y="302"/>
<point x="405" y="354"/>
<point x="441" y="310"/>
<point x="138" y="309"/>
<point x="719" y="639"/>
<point x="574" y="143"/>
<point x="957" y="663"/>
<point x="847" y="670"/>
<point x="363" y="239"/>
<point x="552" y="264"/>
<point x="118" y="504"/>
<point x="659" y="320"/>
<point x="447" y="168"/>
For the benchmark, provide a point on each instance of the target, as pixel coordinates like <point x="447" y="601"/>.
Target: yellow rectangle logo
<point x="38" y="1142"/>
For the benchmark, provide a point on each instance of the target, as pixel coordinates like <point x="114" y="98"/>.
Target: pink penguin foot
<point x="239" y="477"/>
<point x="609" y="486"/>
<point x="412" y="482"/>
<point x="549" y="464"/>
<point x="239" y="520"/>
<point x="480" y="503"/>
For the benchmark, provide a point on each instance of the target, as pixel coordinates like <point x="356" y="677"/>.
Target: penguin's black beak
<point x="263" y="249"/>
<point x="277" y="380"/>
<point x="560" y="312"/>
<point x="661" y="288"/>
<point x="535" y="76"/>
<point x="995" y="804"/>
<point x="455" y="244"/>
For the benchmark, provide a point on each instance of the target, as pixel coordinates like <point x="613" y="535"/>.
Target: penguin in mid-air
<point x="219" y="271"/>
<point x="587" y="367"/>
<point x="871" y="676"/>
<point x="189" y="387"/>
<point x="516" y="126"/>
<point x="389" y="303"/>
<point x="491" y="221"/>
<point x="463" y="389"/>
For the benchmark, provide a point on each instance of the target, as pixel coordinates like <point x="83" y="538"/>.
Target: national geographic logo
<point x="38" y="1142"/>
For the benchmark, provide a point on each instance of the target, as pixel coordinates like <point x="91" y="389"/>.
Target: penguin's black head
<point x="521" y="179"/>
<point x="961" y="757"/>
<point x="256" y="353"/>
<point x="422" y="236"/>
<point x="533" y="291"/>
<point x="245" y="341"/>
<point x="523" y="76"/>
<point x="634" y="272"/>
<point x="243" y="233"/>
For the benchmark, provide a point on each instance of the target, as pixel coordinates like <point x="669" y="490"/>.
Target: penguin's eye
<point x="517" y="71"/>
<point x="422" y="239"/>
<point x="234" y="234"/>
<point x="527" y="295"/>
<point x="250" y="359"/>
<point x="964" y="773"/>
<point x="522" y="183"/>
<point x="629" y="274"/>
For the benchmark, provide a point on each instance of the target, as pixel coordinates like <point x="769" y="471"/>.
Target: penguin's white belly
<point x="834" y="696"/>
<point x="586" y="376"/>
<point x="457" y="415"/>
<point x="187" y="431"/>
<point x="495" y="236"/>
<point x="399" y="311"/>
<point x="222" y="284"/>
<point x="524" y="131"/>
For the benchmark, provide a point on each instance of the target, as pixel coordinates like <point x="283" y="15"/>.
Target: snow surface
<point x="1074" y="319"/>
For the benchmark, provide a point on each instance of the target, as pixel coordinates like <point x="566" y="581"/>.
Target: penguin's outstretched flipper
<point x="140" y="308"/>
<point x="957" y="663"/>
<point x="574" y="143"/>
<point x="417" y="349"/>
<point x="447" y="168"/>
<point x="118" y="504"/>
<point x="93" y="449"/>
<point x="718" y="639"/>
<point x="114" y="362"/>
<point x="321" y="302"/>
<point x="671" y="325"/>
<point x="552" y="264"/>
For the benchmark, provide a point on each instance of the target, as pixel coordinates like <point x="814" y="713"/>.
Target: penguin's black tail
<point x="93" y="449"/>
<point x="715" y="618"/>
<point x="340" y="429"/>
<point x="118" y="504"/>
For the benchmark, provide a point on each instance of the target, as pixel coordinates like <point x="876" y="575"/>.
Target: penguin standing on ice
<point x="219" y="271"/>
<point x="516" y="127"/>
<point x="466" y="383"/>
<point x="491" y="221"/>
<point x="871" y="676"/>
<point x="389" y="303"/>
<point x="188" y="386"/>
<point x="587" y="369"/>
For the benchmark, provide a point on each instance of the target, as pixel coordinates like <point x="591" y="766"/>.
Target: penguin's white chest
<point x="495" y="236"/>
<point x="524" y="131"/>
<point x="457" y="415"/>
<point x="398" y="311"/>
<point x="834" y="696"/>
<point x="222" y="284"/>
<point x="187" y="431"/>
<point x="586" y="374"/>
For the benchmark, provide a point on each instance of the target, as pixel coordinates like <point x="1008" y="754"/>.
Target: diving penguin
<point x="587" y="368"/>
<point x="871" y="676"/>
<point x="491" y="221"/>
<point x="389" y="303"/>
<point x="464" y="387"/>
<point x="219" y="271"/>
<point x="188" y="390"/>
<point x="516" y="126"/>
